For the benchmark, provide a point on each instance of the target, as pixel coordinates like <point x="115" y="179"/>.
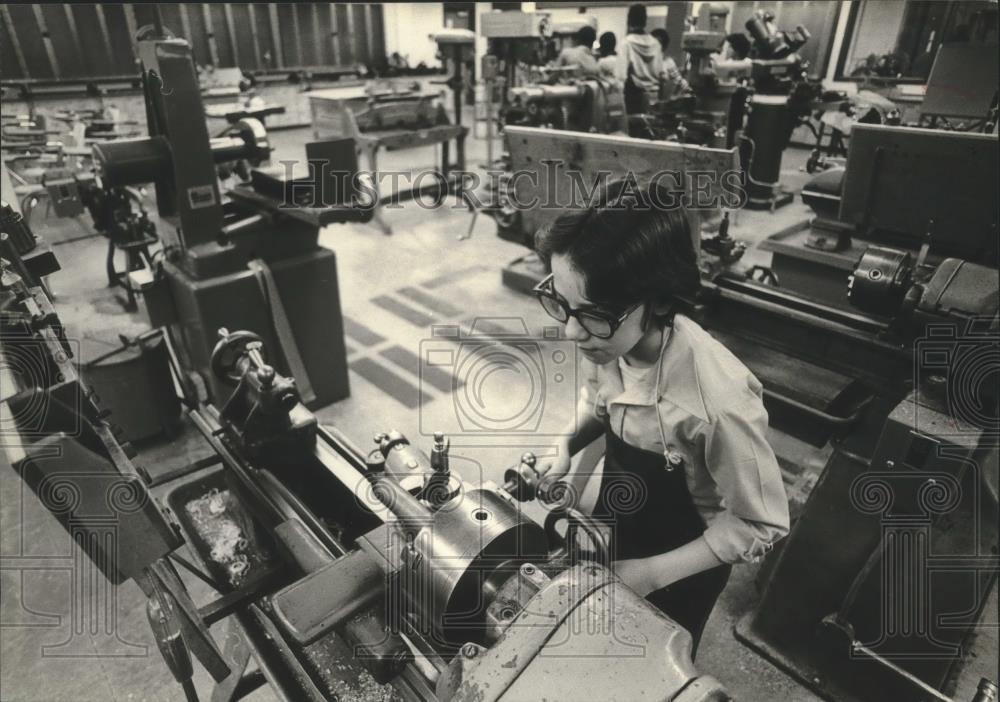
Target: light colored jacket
<point x="610" y="68"/>
<point x="703" y="405"/>
<point x="581" y="57"/>
<point x="642" y="59"/>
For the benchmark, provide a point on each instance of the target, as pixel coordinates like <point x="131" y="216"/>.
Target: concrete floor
<point x="422" y="273"/>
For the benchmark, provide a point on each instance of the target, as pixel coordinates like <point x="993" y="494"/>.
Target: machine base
<point x="744" y="632"/>
<point x="779" y="198"/>
<point x="308" y="290"/>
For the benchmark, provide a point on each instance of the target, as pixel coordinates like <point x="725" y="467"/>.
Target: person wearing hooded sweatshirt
<point x="642" y="59"/>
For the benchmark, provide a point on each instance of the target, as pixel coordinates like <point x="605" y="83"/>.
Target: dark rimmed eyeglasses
<point x="594" y="321"/>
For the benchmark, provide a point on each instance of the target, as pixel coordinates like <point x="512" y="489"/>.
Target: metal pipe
<point x="228" y="149"/>
<point x="243" y="225"/>
<point x="158" y="21"/>
<point x="303" y="513"/>
<point x="857" y="647"/>
<point x="138" y="161"/>
<point x="532" y="93"/>
<point x="860" y="327"/>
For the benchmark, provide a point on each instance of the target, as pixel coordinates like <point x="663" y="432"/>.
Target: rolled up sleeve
<point x="747" y="476"/>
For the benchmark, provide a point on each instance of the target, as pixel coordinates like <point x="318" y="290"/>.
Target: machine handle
<point x="241" y="226"/>
<point x="577" y="520"/>
<point x="227" y="354"/>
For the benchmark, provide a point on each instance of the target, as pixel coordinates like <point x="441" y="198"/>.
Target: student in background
<point x="733" y="56"/>
<point x="607" y="61"/>
<point x="642" y="63"/>
<point x="673" y="82"/>
<point x="581" y="54"/>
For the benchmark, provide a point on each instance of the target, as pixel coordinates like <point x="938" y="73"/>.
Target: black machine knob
<point x="439" y="454"/>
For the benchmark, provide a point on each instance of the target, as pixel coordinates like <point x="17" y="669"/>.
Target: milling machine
<point x="537" y="94"/>
<point x="250" y="258"/>
<point x="780" y="98"/>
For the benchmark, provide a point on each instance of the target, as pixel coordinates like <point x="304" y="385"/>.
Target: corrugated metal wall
<point x="84" y="40"/>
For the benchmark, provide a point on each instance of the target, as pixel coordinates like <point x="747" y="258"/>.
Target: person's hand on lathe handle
<point x="552" y="469"/>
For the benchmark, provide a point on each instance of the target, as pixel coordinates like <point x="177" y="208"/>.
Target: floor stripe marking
<point x="413" y="316"/>
<point x="397" y="387"/>
<point x="442" y="307"/>
<point x="360" y="333"/>
<point x="406" y="360"/>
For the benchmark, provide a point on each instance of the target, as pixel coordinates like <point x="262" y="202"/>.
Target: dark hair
<point x="607" y="44"/>
<point x="740" y="44"/>
<point x="585" y="36"/>
<point x="662" y="37"/>
<point x="627" y="248"/>
<point x="637" y="16"/>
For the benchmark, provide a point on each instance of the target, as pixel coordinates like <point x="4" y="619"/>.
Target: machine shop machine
<point x="345" y="575"/>
<point x="562" y="98"/>
<point x="532" y="94"/>
<point x="900" y="384"/>
<point x="574" y="104"/>
<point x="754" y="104"/>
<point x="887" y="571"/>
<point x="922" y="191"/>
<point x="705" y="113"/>
<point x="397" y="114"/>
<point x="781" y="96"/>
<point x="881" y="341"/>
<point x="250" y="258"/>
<point x="563" y="168"/>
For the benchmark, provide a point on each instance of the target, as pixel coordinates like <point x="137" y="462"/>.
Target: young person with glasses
<point x="690" y="485"/>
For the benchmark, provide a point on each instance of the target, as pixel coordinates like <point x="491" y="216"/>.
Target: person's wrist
<point x="564" y="446"/>
<point x="659" y="579"/>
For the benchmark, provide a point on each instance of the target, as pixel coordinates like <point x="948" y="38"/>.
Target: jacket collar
<point x="675" y="381"/>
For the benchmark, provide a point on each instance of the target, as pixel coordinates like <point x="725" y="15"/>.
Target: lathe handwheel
<point x="228" y="352"/>
<point x="578" y="521"/>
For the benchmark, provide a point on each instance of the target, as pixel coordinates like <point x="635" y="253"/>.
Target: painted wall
<point x="407" y="29"/>
<point x="87" y="40"/>
<point x="610" y="19"/>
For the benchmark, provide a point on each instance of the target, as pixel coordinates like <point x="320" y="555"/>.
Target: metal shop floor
<point x="394" y="289"/>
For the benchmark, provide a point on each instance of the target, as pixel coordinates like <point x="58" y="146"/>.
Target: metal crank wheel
<point x="228" y="352"/>
<point x="577" y="521"/>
